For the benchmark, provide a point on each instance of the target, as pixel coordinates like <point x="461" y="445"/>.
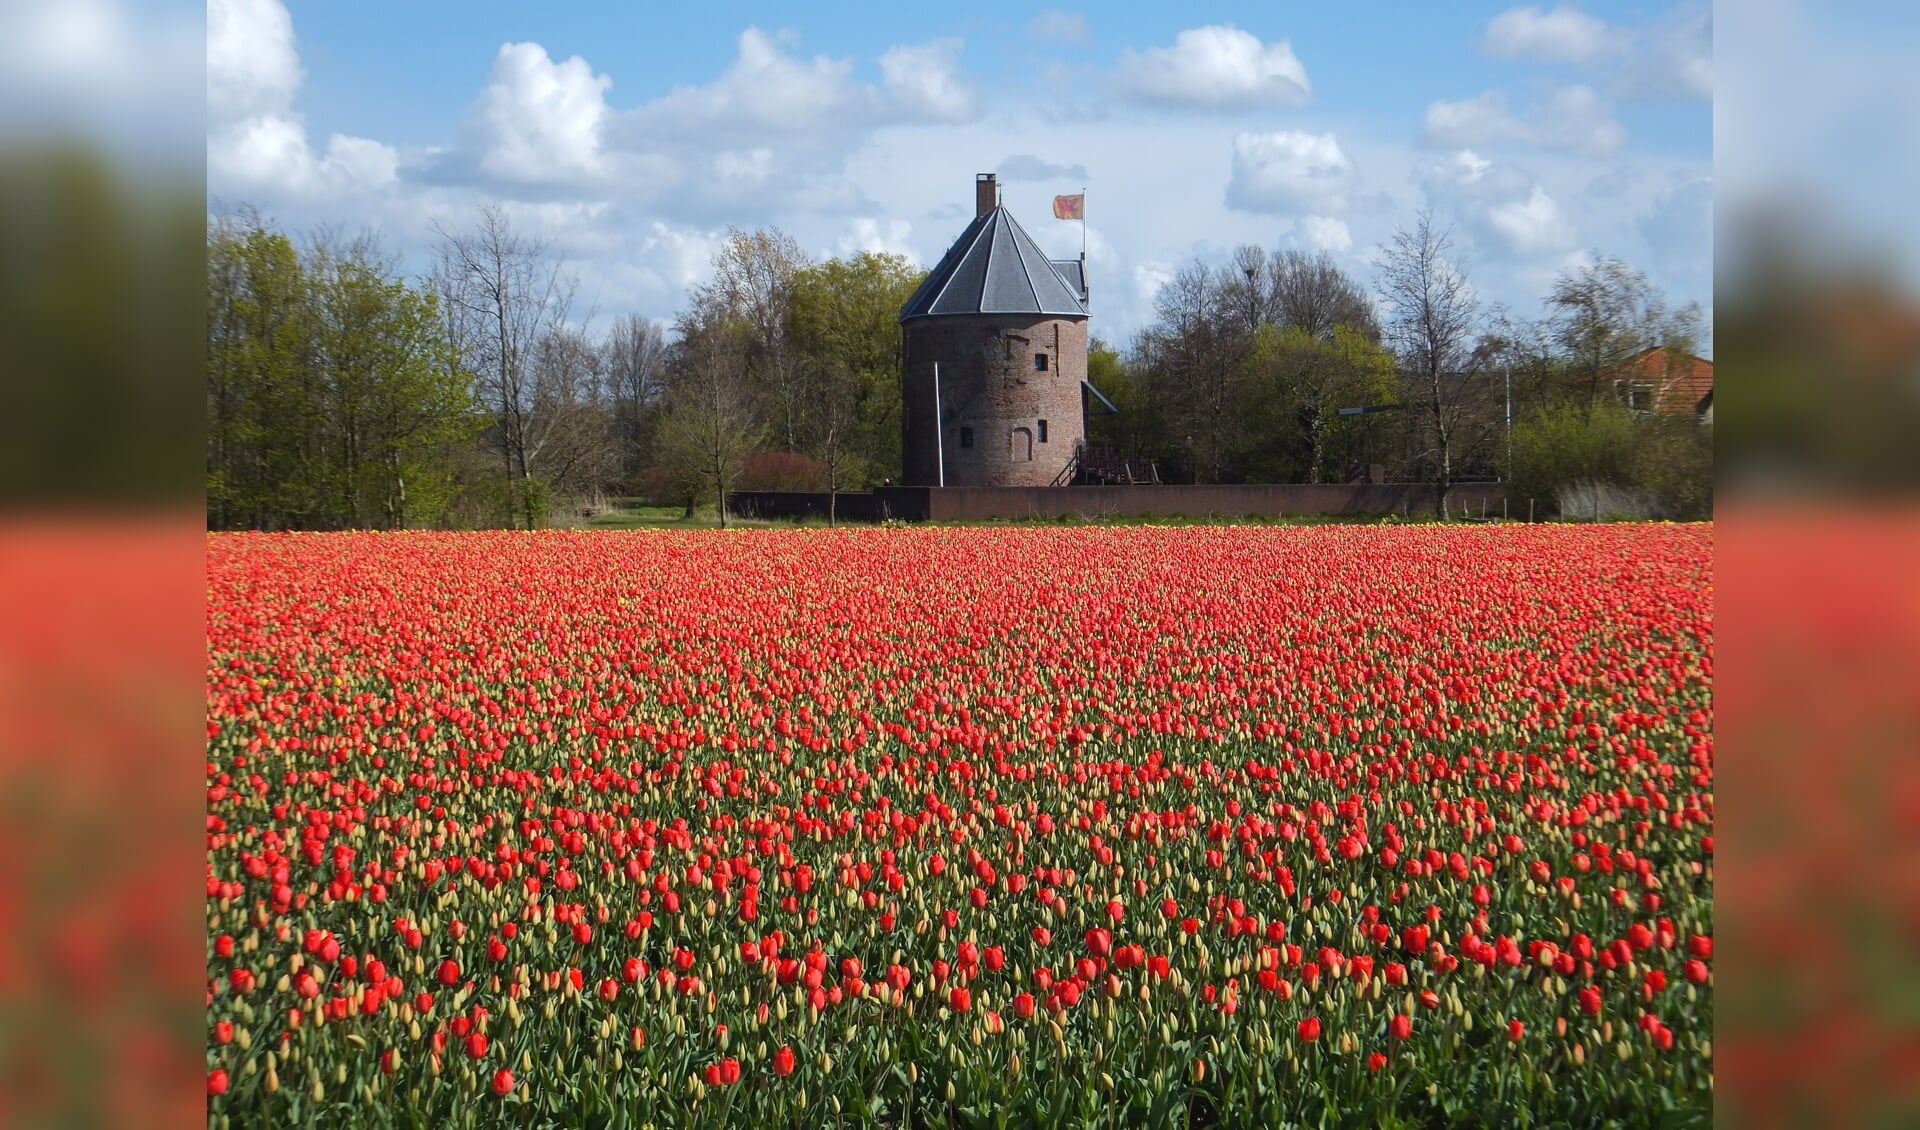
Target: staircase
<point x="1106" y="466"/>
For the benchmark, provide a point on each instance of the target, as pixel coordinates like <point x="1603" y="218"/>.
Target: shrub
<point x="782" y="470"/>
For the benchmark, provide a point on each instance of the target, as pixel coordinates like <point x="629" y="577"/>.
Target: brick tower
<point x="996" y="353"/>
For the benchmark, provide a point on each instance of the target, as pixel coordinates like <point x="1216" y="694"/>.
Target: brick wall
<point x="965" y="503"/>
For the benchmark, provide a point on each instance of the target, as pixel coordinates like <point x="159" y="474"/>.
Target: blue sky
<point x="633" y="136"/>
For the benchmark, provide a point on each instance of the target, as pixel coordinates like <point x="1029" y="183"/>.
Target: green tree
<point x="1301" y="381"/>
<point x="264" y="409"/>
<point x="1556" y="447"/>
<point x="844" y="333"/>
<point x="397" y="406"/>
<point x="330" y="399"/>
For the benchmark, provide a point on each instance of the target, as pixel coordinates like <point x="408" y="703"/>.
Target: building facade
<point x="995" y="346"/>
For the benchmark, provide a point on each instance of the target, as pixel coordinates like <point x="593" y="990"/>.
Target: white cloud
<point x="1473" y="121"/>
<point x="1679" y="227"/>
<point x="1056" y="26"/>
<point x="684" y="256"/>
<point x="762" y="94"/>
<point x="1563" y="35"/>
<point x="1216" y="67"/>
<point x="878" y="235"/>
<point x="255" y="138"/>
<point x="1323" y="233"/>
<point x="1571" y="118"/>
<point x="750" y="166"/>
<point x="253" y="69"/>
<point x="1673" y="59"/>
<point x="1026" y="166"/>
<point x="925" y="79"/>
<point x="539" y="121"/>
<point x="1505" y="210"/>
<point x="1289" y="171"/>
<point x="1614" y="183"/>
<point x="1668" y="59"/>
<point x="1532" y="226"/>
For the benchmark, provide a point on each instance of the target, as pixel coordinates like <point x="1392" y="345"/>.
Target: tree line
<point x="343" y="395"/>
<point x="1244" y="373"/>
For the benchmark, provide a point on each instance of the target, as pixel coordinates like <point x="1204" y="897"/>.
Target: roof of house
<point x="995" y="268"/>
<point x="1682" y="382"/>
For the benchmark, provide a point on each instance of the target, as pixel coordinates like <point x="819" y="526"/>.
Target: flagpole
<point x="1083" y="231"/>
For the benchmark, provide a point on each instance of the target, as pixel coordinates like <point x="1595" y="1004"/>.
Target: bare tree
<point x="1606" y="313"/>
<point x="1313" y="293"/>
<point x="753" y="283"/>
<point x="503" y="293"/>
<point x="570" y="439"/>
<point x="1246" y="290"/>
<point x="833" y="419"/>
<point x="1432" y="315"/>
<point x="1196" y="351"/>
<point x="709" y="425"/>
<point x="636" y="361"/>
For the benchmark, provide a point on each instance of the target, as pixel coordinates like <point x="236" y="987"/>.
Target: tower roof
<point x="994" y="268"/>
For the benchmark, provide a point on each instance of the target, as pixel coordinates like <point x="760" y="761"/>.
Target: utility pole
<point x="939" y="429"/>
<point x="1509" y="474"/>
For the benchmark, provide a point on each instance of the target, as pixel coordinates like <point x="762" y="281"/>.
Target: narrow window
<point x="1043" y="431"/>
<point x="966" y="437"/>
<point x="1039" y="362"/>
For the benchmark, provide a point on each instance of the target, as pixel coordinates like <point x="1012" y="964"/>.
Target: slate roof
<point x="1072" y="271"/>
<point x="994" y="268"/>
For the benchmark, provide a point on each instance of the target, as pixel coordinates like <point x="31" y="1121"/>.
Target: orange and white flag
<point x="1070" y="207"/>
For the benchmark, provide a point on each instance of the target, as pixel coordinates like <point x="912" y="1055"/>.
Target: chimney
<point x="986" y="193"/>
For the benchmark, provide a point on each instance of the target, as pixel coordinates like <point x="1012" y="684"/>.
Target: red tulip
<point x="1023" y="1005"/>
<point x="502" y="1082"/>
<point x="1590" y="1001"/>
<point x="449" y="973"/>
<point x="1310" y="1029"/>
<point x="960" y="999"/>
<point x="783" y="1061"/>
<point x="217" y="1081"/>
<point x="1400" y="1027"/>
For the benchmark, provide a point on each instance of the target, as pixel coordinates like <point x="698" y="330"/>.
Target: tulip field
<point x="1358" y="826"/>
